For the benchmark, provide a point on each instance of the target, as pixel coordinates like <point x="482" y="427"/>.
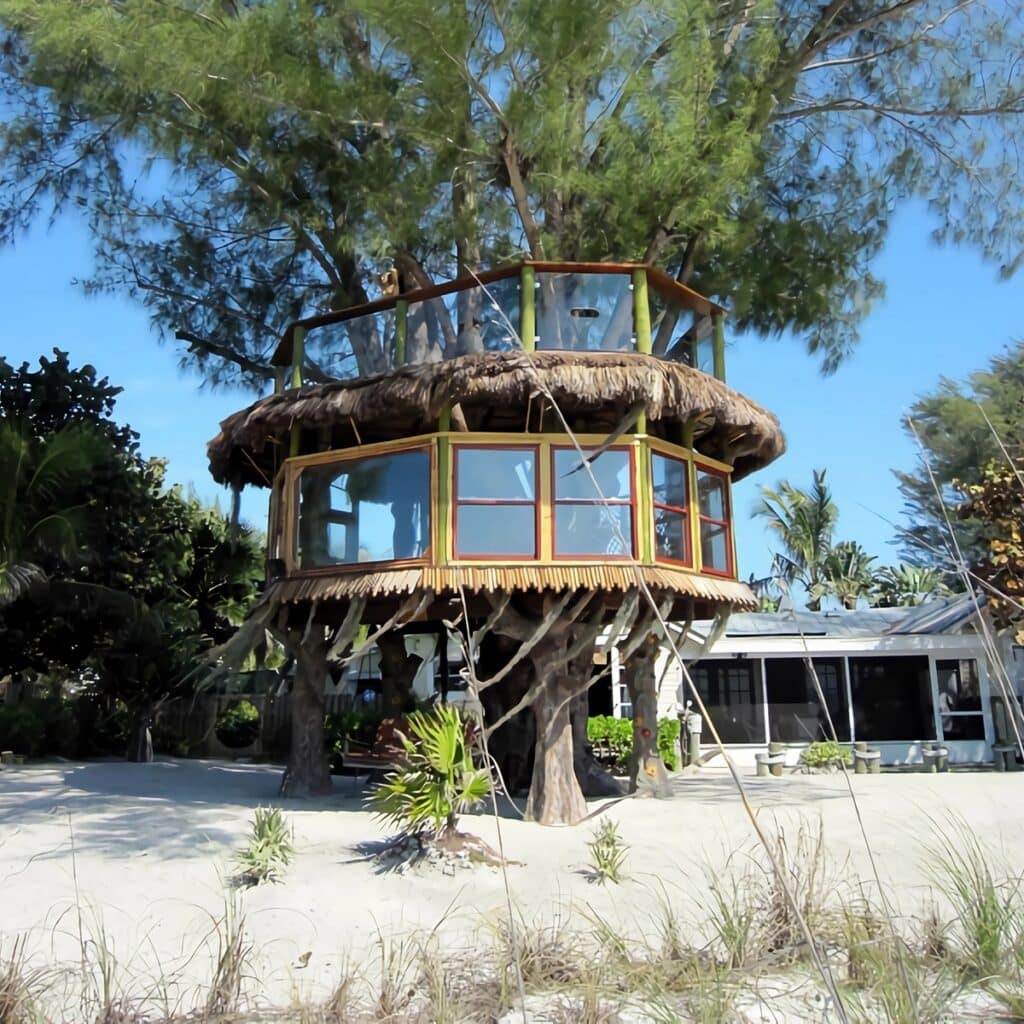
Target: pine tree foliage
<point x="242" y="163"/>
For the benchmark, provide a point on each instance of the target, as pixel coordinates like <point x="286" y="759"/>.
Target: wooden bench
<point x="384" y="753"/>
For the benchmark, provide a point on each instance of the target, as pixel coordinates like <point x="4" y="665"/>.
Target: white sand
<point x="143" y="850"/>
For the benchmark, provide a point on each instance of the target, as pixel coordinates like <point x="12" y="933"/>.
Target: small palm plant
<point x="270" y="850"/>
<point x="436" y="779"/>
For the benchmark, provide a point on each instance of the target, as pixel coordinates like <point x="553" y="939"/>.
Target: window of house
<point x="892" y="699"/>
<point x="960" y="699"/>
<point x="365" y="510"/>
<point x="671" y="509"/>
<point x="795" y="714"/>
<point x="496" y="502"/>
<point x="595" y="521"/>
<point x="731" y="690"/>
<point x="713" y="505"/>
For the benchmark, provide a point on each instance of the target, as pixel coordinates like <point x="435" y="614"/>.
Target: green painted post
<point x="718" y="344"/>
<point x="527" y="308"/>
<point x="444" y="487"/>
<point x="645" y="504"/>
<point x="298" y="355"/>
<point x="401" y="326"/>
<point x="641" y="311"/>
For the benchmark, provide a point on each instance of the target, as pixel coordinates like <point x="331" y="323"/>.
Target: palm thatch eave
<point x="410" y="399"/>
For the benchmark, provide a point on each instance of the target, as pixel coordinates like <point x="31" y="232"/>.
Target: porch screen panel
<point x="892" y="699"/>
<point x="795" y="714"/>
<point x="732" y="692"/>
<point x="365" y="510"/>
<point x="960" y="699"/>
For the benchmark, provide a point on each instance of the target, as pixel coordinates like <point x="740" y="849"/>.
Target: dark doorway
<point x="732" y="692"/>
<point x="892" y="699"/>
<point x="599" y="696"/>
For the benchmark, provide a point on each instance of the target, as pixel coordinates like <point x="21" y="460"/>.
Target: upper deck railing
<point x="595" y="307"/>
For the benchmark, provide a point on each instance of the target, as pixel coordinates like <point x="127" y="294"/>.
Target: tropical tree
<point x="846" y="573"/>
<point x="42" y="514"/>
<point x="242" y="163"/>
<point x="906" y="585"/>
<point x="962" y="428"/>
<point x="997" y="503"/>
<point x="803" y="522"/>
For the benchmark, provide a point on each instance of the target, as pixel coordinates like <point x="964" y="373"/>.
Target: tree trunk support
<point x="307" y="772"/>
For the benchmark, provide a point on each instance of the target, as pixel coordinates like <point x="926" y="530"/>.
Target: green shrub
<point x="607" y="853"/>
<point x="238" y="725"/>
<point x="22" y="729"/>
<point x="270" y="850"/>
<point x="668" y="742"/>
<point x="437" y="780"/>
<point x="827" y="755"/>
<point x="616" y="736"/>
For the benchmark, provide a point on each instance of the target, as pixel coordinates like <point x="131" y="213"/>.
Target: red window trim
<point x="730" y="571"/>
<point x="424" y="559"/>
<point x="512" y="502"/>
<point x="681" y="510"/>
<point x="630" y="502"/>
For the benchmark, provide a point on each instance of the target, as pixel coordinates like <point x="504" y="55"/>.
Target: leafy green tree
<point x="41" y="512"/>
<point x="847" y="573"/>
<point x="803" y="523"/>
<point x="128" y="582"/>
<point x="905" y="585"/>
<point x="996" y="502"/>
<point x="242" y="163"/>
<point x="962" y="428"/>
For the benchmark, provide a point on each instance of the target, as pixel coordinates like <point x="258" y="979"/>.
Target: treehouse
<point x="537" y="430"/>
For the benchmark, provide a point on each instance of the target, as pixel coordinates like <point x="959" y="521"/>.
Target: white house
<point x="895" y="677"/>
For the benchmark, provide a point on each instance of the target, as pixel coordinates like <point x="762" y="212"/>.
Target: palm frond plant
<point x="847" y="573"/>
<point x="435" y="780"/>
<point x="903" y="585"/>
<point x="804" y="522"/>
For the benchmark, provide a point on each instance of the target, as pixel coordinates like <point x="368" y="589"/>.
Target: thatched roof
<point x="662" y="580"/>
<point x="494" y="390"/>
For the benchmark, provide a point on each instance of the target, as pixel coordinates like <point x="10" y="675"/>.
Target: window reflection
<point x="495" y="502"/>
<point x="480" y="319"/>
<point x="330" y="349"/>
<point x="365" y="510"/>
<point x="585" y="312"/>
<point x="795" y="714"/>
<point x="589" y="519"/>
<point x="731" y="691"/>
<point x="671" y="511"/>
<point x="715" y="540"/>
<point x="680" y="335"/>
<point x="960" y="700"/>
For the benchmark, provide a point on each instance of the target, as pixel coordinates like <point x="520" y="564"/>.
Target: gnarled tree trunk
<point x="593" y="777"/>
<point x="398" y="669"/>
<point x="647" y="774"/>
<point x="555" y="794"/>
<point x="307" y="772"/>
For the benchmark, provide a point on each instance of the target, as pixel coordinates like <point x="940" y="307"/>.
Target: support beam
<point x="401" y="330"/>
<point x="641" y="311"/>
<point x="718" y="344"/>
<point x="527" y="308"/>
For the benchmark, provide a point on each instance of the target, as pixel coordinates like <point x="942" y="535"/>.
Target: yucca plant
<point x="270" y="850"/>
<point x="436" y="780"/>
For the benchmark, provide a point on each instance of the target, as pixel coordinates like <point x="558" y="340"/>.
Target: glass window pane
<point x="585" y="312"/>
<point x="594" y="530"/>
<point x="332" y="348"/>
<point x="714" y="546"/>
<point x="672" y="535"/>
<point x="670" y="484"/>
<point x="795" y="714"/>
<point x="960" y="700"/>
<point x="711" y="494"/>
<point x="495" y="530"/>
<point x="892" y="699"/>
<point x="573" y="481"/>
<point x="365" y="510"/>
<point x="475" y="319"/>
<point x="494" y="473"/>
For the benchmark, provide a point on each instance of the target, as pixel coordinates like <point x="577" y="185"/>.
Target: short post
<point x="860" y="764"/>
<point x="7" y="757"/>
<point x="763" y="767"/>
<point x="998" y="760"/>
<point x="694" y="726"/>
<point x="777" y="758"/>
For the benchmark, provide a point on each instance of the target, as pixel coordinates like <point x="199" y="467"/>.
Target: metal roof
<point x="938" y="616"/>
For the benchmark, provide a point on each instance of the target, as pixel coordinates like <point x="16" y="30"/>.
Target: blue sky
<point x="946" y="313"/>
